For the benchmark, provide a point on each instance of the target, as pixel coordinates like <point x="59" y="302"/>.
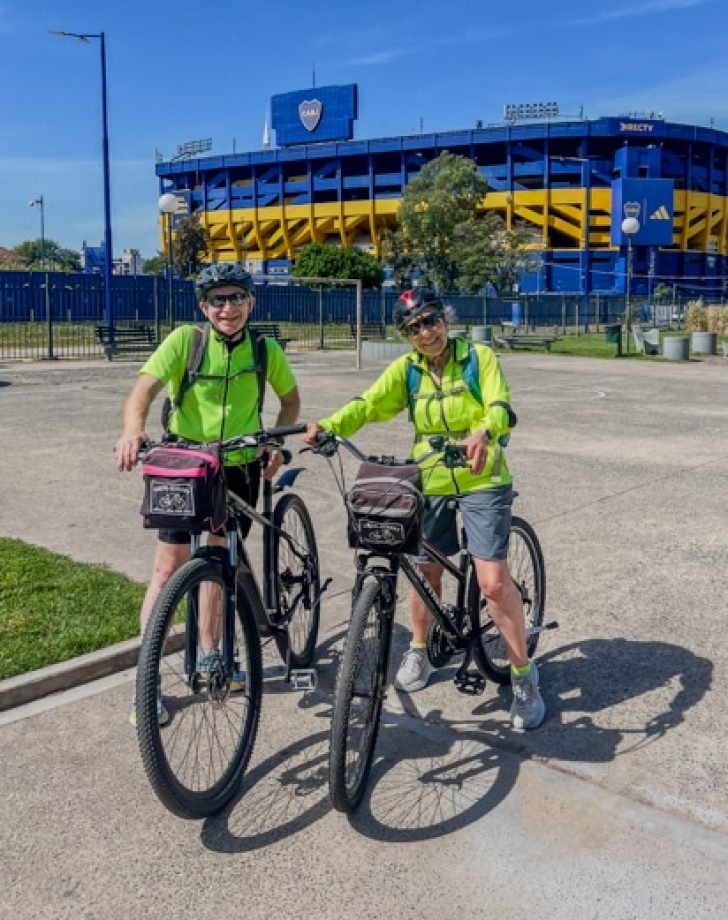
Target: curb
<point x="24" y="688"/>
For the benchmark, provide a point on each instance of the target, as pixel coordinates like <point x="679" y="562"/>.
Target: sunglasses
<point x="427" y="322"/>
<point x="219" y="300"/>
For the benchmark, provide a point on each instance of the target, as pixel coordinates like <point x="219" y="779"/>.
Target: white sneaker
<point x="414" y="670"/>
<point x="528" y="709"/>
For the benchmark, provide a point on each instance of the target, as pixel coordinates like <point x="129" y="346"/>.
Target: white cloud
<point x="648" y="8"/>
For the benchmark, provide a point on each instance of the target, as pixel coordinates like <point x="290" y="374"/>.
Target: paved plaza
<point x="615" y="809"/>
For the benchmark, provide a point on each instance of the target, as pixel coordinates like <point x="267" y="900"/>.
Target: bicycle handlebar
<point x="268" y="438"/>
<point x="453" y="455"/>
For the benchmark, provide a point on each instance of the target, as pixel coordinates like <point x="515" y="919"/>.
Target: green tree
<point x="55" y="256"/>
<point x="444" y="195"/>
<point x="321" y="260"/>
<point x="488" y="253"/>
<point x="191" y="245"/>
<point x="156" y="265"/>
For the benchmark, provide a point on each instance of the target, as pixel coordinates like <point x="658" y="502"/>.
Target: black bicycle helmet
<point x="412" y="302"/>
<point x="220" y="274"/>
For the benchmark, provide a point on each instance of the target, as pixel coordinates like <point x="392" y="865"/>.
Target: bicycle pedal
<point x="471" y="682"/>
<point x="304" y="679"/>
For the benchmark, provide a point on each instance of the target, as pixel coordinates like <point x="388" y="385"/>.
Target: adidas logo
<point x="660" y="214"/>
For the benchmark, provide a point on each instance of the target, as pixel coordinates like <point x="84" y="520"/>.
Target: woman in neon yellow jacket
<point x="455" y="388"/>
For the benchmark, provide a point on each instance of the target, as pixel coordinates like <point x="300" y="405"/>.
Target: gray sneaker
<point x="162" y="712"/>
<point x="414" y="670"/>
<point x="528" y="709"/>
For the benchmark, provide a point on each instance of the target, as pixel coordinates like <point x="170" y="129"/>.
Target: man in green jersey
<point x="222" y="402"/>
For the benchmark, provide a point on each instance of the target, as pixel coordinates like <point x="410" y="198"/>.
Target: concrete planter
<point x="704" y="343"/>
<point x="676" y="347"/>
<point x="384" y="351"/>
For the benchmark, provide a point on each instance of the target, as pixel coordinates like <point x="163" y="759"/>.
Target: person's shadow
<point x="433" y="775"/>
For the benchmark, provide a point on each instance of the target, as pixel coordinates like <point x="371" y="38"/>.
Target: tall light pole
<point x="168" y="204"/>
<point x="39" y="203"/>
<point x="585" y="255"/>
<point x="108" y="245"/>
<point x="630" y="226"/>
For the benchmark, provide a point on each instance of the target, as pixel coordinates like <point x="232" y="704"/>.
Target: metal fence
<point x="58" y="314"/>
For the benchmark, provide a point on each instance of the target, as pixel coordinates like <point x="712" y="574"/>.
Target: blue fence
<point x="27" y="297"/>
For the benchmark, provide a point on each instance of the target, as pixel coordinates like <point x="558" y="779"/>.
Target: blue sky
<point x="179" y="71"/>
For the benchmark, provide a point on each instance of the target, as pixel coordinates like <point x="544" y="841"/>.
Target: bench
<point x="272" y="330"/>
<point x="527" y="340"/>
<point x="369" y="331"/>
<point x="138" y="338"/>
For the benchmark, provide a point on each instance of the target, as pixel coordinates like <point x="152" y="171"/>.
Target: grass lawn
<point x="52" y="608"/>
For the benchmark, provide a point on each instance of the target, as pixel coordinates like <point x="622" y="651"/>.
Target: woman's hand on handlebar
<point x="476" y="451"/>
<point x="273" y="462"/>
<point x="127" y="450"/>
<point x="311" y="435"/>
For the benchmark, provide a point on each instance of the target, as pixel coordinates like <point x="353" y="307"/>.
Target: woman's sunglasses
<point x="219" y="300"/>
<point x="427" y="322"/>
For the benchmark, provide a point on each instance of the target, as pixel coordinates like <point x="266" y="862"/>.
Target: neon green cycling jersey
<point x="227" y="387"/>
<point x="449" y="408"/>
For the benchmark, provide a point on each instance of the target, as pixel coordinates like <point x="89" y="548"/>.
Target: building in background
<point x="573" y="181"/>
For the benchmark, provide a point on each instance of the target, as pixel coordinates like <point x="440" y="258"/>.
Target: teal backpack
<point x="470" y="366"/>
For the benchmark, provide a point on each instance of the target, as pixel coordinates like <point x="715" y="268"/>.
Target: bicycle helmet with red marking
<point x="412" y="302"/>
<point x="221" y="274"/>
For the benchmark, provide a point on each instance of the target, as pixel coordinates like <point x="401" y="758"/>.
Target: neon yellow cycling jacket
<point x="450" y="408"/>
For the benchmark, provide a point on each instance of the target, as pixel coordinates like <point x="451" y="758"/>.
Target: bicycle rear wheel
<point x="526" y="565"/>
<point x="297" y="585"/>
<point x="195" y="763"/>
<point x="358" y="697"/>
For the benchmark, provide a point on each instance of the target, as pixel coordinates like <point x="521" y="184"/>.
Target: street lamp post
<point x="630" y="226"/>
<point x="39" y="203"/>
<point x="108" y="245"/>
<point x="168" y="206"/>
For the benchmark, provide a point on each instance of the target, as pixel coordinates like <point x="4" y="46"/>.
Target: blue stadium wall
<point x="572" y="182"/>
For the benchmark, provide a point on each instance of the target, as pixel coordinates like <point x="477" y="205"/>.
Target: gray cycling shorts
<point x="486" y="518"/>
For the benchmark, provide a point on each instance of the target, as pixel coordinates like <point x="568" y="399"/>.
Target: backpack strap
<point x="260" y="360"/>
<point x="200" y="337"/>
<point x="469" y="364"/>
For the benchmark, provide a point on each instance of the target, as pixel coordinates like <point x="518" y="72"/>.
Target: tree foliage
<point x="191" y="245"/>
<point x="55" y="256"/>
<point x="322" y="260"/>
<point x="442" y="235"/>
<point x="156" y="265"/>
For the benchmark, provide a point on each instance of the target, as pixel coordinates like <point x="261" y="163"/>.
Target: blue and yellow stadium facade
<point x="571" y="182"/>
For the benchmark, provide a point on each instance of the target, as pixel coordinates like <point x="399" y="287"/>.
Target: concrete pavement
<point x="615" y="808"/>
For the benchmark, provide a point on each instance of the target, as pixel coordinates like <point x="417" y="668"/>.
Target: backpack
<point x="470" y="366"/>
<point x="200" y="337"/>
<point x="471" y="375"/>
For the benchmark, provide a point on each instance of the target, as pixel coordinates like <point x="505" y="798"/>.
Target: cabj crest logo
<point x="310" y="111"/>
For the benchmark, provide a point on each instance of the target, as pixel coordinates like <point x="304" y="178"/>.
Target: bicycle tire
<point x="526" y="565"/>
<point x="297" y="581"/>
<point x="195" y="764"/>
<point x="366" y="648"/>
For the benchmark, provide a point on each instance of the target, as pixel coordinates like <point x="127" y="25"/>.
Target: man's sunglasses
<point x="427" y="322"/>
<point x="219" y="300"/>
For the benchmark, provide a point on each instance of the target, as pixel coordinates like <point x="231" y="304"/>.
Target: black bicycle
<point x="462" y="627"/>
<point x="196" y="762"/>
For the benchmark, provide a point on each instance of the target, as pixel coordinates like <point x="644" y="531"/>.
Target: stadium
<point x="574" y="182"/>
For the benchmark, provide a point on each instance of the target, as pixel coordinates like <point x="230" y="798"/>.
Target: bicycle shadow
<point x="657" y="682"/>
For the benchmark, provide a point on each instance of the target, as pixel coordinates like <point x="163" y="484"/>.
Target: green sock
<point x="414" y="644"/>
<point x="519" y="672"/>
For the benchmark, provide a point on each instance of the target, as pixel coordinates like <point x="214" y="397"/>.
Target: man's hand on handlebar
<point x="273" y="462"/>
<point x="127" y="450"/>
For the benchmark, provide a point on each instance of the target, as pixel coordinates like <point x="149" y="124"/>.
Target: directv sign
<point x="650" y="202"/>
<point x="308" y="116"/>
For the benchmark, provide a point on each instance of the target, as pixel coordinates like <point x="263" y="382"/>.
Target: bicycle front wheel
<point x="358" y="697"/>
<point x="197" y="717"/>
<point x="297" y="580"/>
<point x="526" y="565"/>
